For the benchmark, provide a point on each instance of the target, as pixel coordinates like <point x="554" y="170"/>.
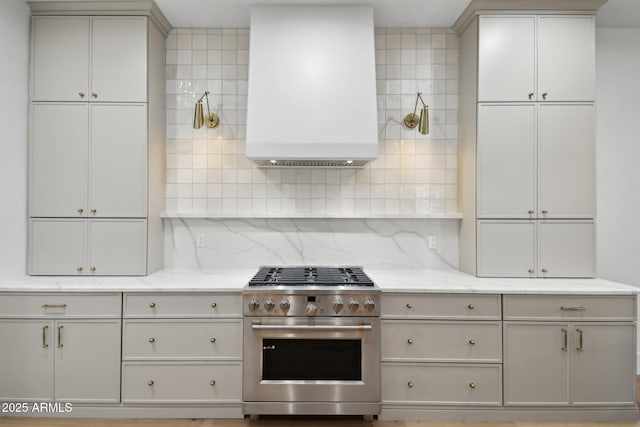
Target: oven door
<point x="312" y="359"/>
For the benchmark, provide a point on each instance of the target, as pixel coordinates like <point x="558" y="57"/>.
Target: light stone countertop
<point x="389" y="280"/>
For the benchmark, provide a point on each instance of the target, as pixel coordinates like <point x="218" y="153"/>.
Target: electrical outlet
<point x="432" y="242"/>
<point x="200" y="241"/>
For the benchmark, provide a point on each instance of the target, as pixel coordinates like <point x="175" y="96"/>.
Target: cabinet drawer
<point x="441" y="341"/>
<point x="441" y="306"/>
<point x="60" y="305"/>
<point x="182" y="305"/>
<point x="182" y="339"/>
<point x="442" y="384"/>
<point x="181" y="383"/>
<point x="569" y="307"/>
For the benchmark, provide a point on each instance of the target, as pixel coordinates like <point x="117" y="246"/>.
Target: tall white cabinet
<point x="527" y="140"/>
<point x="96" y="176"/>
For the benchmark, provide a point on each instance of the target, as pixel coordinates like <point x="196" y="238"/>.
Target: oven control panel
<point x="312" y="305"/>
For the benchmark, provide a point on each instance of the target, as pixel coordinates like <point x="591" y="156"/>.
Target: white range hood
<point x="312" y="86"/>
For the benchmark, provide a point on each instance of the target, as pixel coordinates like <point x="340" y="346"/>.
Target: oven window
<point x="297" y="359"/>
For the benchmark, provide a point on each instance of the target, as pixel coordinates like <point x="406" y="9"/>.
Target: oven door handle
<point x="364" y="327"/>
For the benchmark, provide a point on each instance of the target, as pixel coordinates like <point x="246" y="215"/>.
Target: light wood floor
<point x="280" y="422"/>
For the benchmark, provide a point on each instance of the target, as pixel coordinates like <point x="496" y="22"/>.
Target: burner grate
<point x="311" y="276"/>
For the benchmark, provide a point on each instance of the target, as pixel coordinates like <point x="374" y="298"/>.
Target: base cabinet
<point x="56" y="356"/>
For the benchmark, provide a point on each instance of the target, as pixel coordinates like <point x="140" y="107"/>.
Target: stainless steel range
<point x="311" y="342"/>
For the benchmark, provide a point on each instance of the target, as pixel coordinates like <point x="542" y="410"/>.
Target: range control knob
<point x="312" y="309"/>
<point x="369" y="304"/>
<point x="254" y="304"/>
<point x="269" y="304"/>
<point x="354" y="304"/>
<point x="285" y="305"/>
<point x="338" y="305"/>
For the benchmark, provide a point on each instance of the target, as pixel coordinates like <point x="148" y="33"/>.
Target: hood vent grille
<point x="311" y="163"/>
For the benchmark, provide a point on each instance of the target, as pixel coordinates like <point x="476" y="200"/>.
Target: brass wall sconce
<point x="199" y="119"/>
<point x="412" y="120"/>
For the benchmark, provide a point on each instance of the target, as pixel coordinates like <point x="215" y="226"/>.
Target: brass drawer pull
<point x="472" y="342"/>
<point x="60" y="345"/>
<point x="94" y="95"/>
<point x="79" y="269"/>
<point x="471" y="306"/>
<point x="152" y="305"/>
<point x="213" y="340"/>
<point x="80" y="210"/>
<point x="565" y="340"/>
<point x="81" y="94"/>
<point x="544" y="270"/>
<point x="214" y="305"/>
<point x="410" y="384"/>
<point x="409" y="306"/>
<point x="45" y="306"/>
<point x="576" y="308"/>
<point x="152" y="340"/>
<point x="544" y="95"/>
<point x="472" y="385"/>
<point x="212" y="382"/>
<point x="410" y="341"/>
<point x="580" y="346"/>
<point x="150" y="383"/>
<point x="44" y="337"/>
<point x="93" y="269"/>
<point x="530" y="94"/>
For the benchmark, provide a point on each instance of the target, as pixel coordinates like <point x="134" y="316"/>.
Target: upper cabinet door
<point x="60" y="61"/>
<point x="506" y="58"/>
<point x="506" y="182"/>
<point x="118" y="165"/>
<point x="566" y="160"/>
<point x="58" y="160"/>
<point x="566" y="58"/>
<point x="119" y="59"/>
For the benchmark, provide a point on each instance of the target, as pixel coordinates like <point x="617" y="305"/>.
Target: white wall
<point x="618" y="154"/>
<point x="14" y="77"/>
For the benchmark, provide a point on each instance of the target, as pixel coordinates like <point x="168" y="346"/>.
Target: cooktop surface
<point x="311" y="276"/>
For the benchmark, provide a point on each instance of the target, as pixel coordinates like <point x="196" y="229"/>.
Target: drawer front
<point x="441" y="306"/>
<point x="182" y="339"/>
<point x="569" y="307"/>
<point x="181" y="383"/>
<point x="60" y="305"/>
<point x="183" y="305"/>
<point x="442" y="384"/>
<point x="430" y="341"/>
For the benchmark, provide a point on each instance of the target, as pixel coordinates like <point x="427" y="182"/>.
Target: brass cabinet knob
<point x="92" y="269"/>
<point x="472" y="342"/>
<point x="213" y="340"/>
<point x="544" y="95"/>
<point x="212" y="382"/>
<point x="80" y="210"/>
<point x="214" y="305"/>
<point x="152" y="305"/>
<point x="152" y="340"/>
<point x="410" y="384"/>
<point x="471" y="306"/>
<point x="150" y="383"/>
<point x="94" y="210"/>
<point x="531" y="270"/>
<point x="94" y="95"/>
<point x="410" y="341"/>
<point x="472" y="385"/>
<point x="409" y="306"/>
<point x="530" y="95"/>
<point x="81" y="94"/>
<point x="544" y="212"/>
<point x="544" y="270"/>
<point x="530" y="211"/>
<point x="79" y="269"/>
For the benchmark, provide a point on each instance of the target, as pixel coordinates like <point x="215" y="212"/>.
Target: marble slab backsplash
<point x="252" y="242"/>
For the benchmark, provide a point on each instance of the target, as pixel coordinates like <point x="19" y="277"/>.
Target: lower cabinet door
<point x="442" y="384"/>
<point x="536" y="363"/>
<point x="57" y="246"/>
<point x="602" y="364"/>
<point x="87" y="366"/>
<point x="506" y="248"/>
<point x="26" y="360"/>
<point x="117" y="247"/>
<point x="566" y="248"/>
<point x="181" y="382"/>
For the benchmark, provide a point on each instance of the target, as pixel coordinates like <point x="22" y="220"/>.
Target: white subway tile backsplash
<point x="207" y="171"/>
